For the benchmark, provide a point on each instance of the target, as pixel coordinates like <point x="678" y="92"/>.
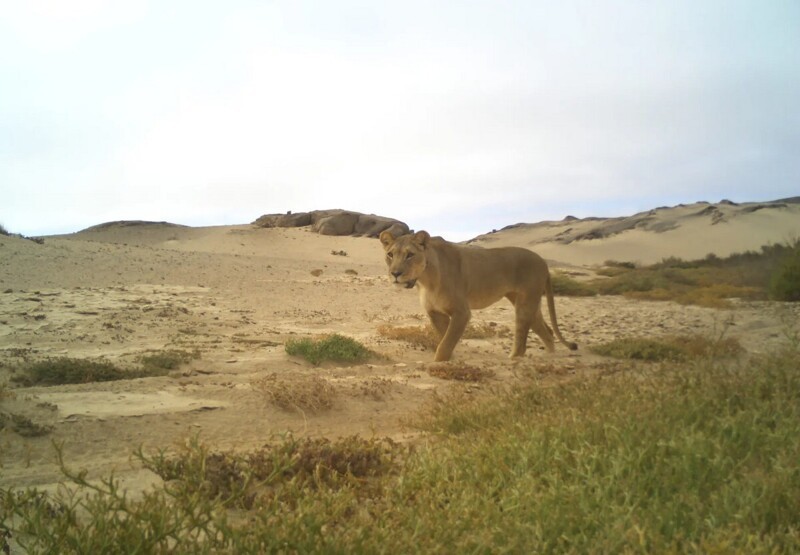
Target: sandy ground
<point x="236" y="294"/>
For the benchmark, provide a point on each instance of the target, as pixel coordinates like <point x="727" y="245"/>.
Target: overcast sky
<point x="457" y="117"/>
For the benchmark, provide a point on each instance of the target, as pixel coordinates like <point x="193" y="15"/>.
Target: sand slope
<point x="687" y="231"/>
<point x="235" y="294"/>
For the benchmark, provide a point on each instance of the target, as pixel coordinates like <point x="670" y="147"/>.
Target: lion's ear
<point x="421" y="238"/>
<point x="387" y="238"/>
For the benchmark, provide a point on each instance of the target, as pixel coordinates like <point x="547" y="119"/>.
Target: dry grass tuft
<point x="427" y="338"/>
<point x="313" y="394"/>
<point x="279" y="472"/>
<point x="5" y="391"/>
<point x="375" y="388"/>
<point x="459" y="372"/>
<point x="23" y="425"/>
<point x="418" y="336"/>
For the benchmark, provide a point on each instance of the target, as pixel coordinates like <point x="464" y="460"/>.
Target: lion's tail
<point x="551" y="307"/>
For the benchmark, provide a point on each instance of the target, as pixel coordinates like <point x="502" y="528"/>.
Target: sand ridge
<point x="686" y="231"/>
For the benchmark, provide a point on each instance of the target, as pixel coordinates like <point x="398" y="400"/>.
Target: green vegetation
<point x="278" y="472"/>
<point x="774" y="272"/>
<point x="334" y="347"/>
<point x="697" y="457"/>
<point x="785" y="282"/>
<point x="570" y="287"/>
<point x="65" y="370"/>
<point x="678" y="348"/>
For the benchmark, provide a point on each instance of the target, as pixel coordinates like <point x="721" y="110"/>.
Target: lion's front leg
<point x="458" y="323"/>
<point x="440" y="322"/>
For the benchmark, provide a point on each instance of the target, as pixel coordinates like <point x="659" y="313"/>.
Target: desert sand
<point x="236" y="294"/>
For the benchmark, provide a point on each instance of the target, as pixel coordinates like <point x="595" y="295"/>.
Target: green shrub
<point x="567" y="286"/>
<point x="650" y="350"/>
<point x="65" y="370"/>
<point x="678" y="348"/>
<point x="710" y="282"/>
<point x="334" y="347"/>
<point x="785" y="281"/>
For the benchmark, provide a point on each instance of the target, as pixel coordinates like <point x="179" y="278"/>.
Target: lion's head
<point x="405" y="256"/>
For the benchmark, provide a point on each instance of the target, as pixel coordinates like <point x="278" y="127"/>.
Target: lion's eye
<point x="389" y="255"/>
<point x="409" y="255"/>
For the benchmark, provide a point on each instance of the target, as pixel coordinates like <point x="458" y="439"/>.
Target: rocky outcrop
<point x="284" y="220"/>
<point x="335" y="222"/>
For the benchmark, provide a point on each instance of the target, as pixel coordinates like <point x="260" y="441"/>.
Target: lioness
<point x="454" y="279"/>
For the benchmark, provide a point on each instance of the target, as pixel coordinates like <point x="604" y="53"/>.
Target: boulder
<point x="335" y="222"/>
<point x="284" y="220"/>
<point x="341" y="223"/>
<point x="369" y="225"/>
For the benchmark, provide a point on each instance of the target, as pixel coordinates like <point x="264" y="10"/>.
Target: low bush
<point x="784" y="283"/>
<point x="334" y="347"/>
<point x="66" y="370"/>
<point x="675" y="348"/>
<point x="570" y="287"/>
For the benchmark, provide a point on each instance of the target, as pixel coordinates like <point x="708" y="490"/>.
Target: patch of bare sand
<point x="235" y="295"/>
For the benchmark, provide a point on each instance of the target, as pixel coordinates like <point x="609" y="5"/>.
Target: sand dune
<point x="236" y="294"/>
<point x="687" y="231"/>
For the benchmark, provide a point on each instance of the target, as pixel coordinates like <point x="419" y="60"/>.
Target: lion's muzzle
<point x="407" y="284"/>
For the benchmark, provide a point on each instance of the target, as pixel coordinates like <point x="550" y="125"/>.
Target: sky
<point x="458" y="117"/>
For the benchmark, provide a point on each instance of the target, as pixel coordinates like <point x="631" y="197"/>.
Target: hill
<point x="688" y="231"/>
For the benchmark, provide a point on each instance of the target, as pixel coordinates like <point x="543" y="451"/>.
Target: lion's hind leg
<point x="541" y="329"/>
<point x="525" y="319"/>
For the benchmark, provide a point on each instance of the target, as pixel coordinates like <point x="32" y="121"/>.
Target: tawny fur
<point x="455" y="279"/>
